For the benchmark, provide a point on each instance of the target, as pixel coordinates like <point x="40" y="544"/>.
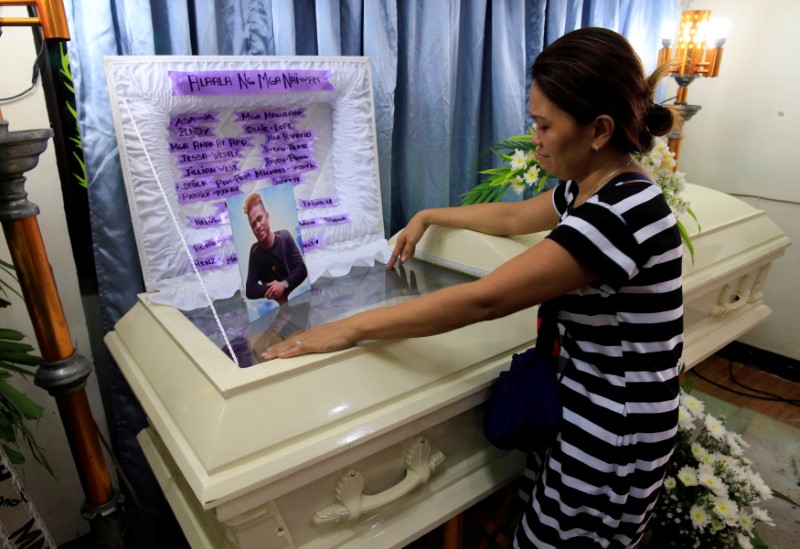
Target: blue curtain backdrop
<point x="449" y="77"/>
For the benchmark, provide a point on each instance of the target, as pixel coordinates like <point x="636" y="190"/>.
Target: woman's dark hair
<point x="594" y="71"/>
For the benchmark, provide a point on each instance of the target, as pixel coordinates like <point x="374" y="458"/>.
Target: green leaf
<point x="13" y="456"/>
<point x="20" y="369"/>
<point x="687" y="240"/>
<point x="26" y="407"/>
<point x="8" y="333"/>
<point x="4" y="285"/>
<point x="21" y="358"/>
<point x="14" y="346"/>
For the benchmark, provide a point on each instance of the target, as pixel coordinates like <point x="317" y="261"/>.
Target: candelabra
<point x="64" y="372"/>
<point x="697" y="54"/>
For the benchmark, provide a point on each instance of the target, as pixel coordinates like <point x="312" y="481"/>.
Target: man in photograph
<point x="276" y="266"/>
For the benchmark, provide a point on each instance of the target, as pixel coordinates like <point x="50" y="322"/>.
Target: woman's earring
<point x="595" y="148"/>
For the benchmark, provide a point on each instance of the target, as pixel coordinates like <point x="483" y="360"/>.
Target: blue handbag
<point x="524" y="408"/>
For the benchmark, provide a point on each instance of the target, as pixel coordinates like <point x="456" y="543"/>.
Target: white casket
<point x="374" y="446"/>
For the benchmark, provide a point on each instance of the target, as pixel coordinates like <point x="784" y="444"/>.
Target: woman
<point x="613" y="258"/>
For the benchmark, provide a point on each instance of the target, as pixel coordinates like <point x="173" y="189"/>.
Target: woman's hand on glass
<point x="407" y="240"/>
<point x="320" y="339"/>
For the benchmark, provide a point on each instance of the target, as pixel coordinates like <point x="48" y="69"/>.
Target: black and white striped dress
<point x="622" y="338"/>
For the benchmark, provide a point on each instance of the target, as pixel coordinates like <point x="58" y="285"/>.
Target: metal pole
<point x="64" y="372"/>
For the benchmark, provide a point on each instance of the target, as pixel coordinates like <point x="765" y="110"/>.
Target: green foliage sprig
<point x="16" y="409"/>
<point x="521" y="169"/>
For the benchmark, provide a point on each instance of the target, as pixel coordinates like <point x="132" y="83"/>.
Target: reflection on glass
<point x="329" y="299"/>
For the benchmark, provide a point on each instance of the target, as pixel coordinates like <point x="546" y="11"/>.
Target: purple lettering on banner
<point x="302" y="168"/>
<point x="271" y="161"/>
<point x="244" y="82"/>
<point x="209" y="169"/>
<point x="325" y="220"/>
<point x="305" y="136"/>
<point x="263" y="173"/>
<point x="209" y="262"/>
<point x="209" y="221"/>
<point x="299" y="148"/>
<point x="268" y="127"/>
<point x="336" y="219"/>
<point x="275" y="149"/>
<point x="191" y="132"/>
<point x="312" y="243"/>
<point x="219" y="144"/>
<point x="192" y="119"/>
<point x="280" y="148"/>
<point x="205" y="157"/>
<point x="266" y="116"/>
<point x="214" y="261"/>
<point x="294" y="180"/>
<point x="196" y="190"/>
<point x="206" y="195"/>
<point x="325" y="202"/>
<point x="291" y="158"/>
<point x="201" y="248"/>
<point x="192" y="185"/>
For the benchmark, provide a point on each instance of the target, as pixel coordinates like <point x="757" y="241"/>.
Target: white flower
<point x="740" y="441"/>
<point x="685" y="419"/>
<point x="660" y="145"/>
<point x="698" y="451"/>
<point x="715" y="428"/>
<point x="670" y="483"/>
<point x="692" y="404"/>
<point x="518" y="160"/>
<point x="725" y="508"/>
<point x="759" y="485"/>
<point x="530" y="156"/>
<point x="532" y="175"/>
<point x="746" y="522"/>
<point x="654" y="157"/>
<point x="761" y="515"/>
<point x="744" y="541"/>
<point x="518" y="184"/>
<point x="699" y="516"/>
<point x="706" y="467"/>
<point x="734" y="447"/>
<point x="713" y="483"/>
<point x="688" y="476"/>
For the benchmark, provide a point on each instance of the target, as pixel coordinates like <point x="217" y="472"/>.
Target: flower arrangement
<point x="522" y="170"/>
<point x="710" y="496"/>
<point x="659" y="162"/>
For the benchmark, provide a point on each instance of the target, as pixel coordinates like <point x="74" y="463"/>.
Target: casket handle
<point x="731" y="299"/>
<point x="420" y="464"/>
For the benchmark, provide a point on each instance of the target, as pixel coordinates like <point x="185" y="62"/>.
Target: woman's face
<point x="564" y="147"/>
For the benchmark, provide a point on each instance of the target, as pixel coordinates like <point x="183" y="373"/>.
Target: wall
<point x="744" y="140"/>
<point x="57" y="499"/>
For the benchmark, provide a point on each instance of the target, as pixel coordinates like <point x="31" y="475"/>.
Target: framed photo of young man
<point x="266" y="233"/>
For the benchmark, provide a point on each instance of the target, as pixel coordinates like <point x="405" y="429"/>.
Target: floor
<point x="772" y="427"/>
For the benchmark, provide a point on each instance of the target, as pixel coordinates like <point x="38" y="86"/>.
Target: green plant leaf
<point x="687" y="240"/>
<point x="14" y="335"/>
<point x="13" y="456"/>
<point x="14" y="346"/>
<point x="20" y="369"/>
<point x="26" y="407"/>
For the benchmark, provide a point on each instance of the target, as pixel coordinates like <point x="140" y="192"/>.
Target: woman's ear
<point x="603" y="130"/>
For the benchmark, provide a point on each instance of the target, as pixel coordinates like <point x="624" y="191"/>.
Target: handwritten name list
<point x="209" y="164"/>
